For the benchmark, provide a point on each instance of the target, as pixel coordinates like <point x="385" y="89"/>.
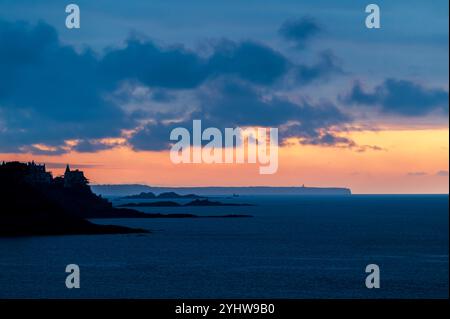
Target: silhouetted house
<point x="74" y="179"/>
<point x="36" y="174"/>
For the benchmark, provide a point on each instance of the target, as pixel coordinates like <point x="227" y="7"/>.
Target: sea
<point x="292" y="247"/>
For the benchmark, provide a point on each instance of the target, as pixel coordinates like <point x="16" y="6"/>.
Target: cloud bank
<point x="400" y="97"/>
<point x="54" y="99"/>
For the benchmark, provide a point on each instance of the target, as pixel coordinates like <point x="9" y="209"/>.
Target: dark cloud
<point x="327" y="65"/>
<point x="172" y="67"/>
<point x="329" y="139"/>
<point x="51" y="93"/>
<point x="154" y="136"/>
<point x="299" y="31"/>
<point x="372" y="148"/>
<point x="179" y="68"/>
<point x="400" y="97"/>
<point x="87" y="146"/>
<point x="248" y="60"/>
<point x="234" y="103"/>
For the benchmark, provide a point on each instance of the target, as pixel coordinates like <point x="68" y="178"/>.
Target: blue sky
<point x="220" y="60"/>
<point x="417" y="29"/>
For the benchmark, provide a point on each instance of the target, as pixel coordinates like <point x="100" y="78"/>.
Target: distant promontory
<point x="131" y="189"/>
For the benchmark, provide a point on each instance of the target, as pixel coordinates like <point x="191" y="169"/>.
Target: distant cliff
<point x="125" y="190"/>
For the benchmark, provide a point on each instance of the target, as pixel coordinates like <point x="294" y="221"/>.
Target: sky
<point x="355" y="107"/>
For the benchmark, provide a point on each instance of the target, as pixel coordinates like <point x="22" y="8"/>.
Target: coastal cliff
<point x="35" y="203"/>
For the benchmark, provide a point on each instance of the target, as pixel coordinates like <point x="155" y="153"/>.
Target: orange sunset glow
<point x="408" y="161"/>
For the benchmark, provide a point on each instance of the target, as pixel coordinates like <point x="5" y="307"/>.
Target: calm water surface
<point x="293" y="247"/>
